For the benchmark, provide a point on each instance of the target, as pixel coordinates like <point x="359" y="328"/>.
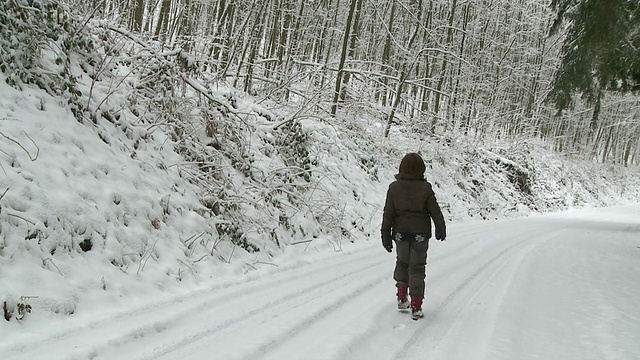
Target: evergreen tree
<point x="601" y="50"/>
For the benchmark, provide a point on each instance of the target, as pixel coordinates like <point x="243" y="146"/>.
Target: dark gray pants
<point x="411" y="263"/>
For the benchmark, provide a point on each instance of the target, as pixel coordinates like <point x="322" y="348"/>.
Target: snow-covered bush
<point x="138" y="172"/>
<point x="39" y="41"/>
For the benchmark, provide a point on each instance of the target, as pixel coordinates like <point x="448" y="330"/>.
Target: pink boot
<point x="403" y="302"/>
<point x="416" y="308"/>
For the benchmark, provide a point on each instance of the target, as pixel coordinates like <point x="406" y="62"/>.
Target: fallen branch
<point x="23" y="219"/>
<point x="301" y="242"/>
<point x="33" y="158"/>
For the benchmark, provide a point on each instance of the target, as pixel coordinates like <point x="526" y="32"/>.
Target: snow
<point x="162" y="282"/>
<point x="556" y="286"/>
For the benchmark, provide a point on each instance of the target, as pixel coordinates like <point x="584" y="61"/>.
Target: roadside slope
<point x="555" y="286"/>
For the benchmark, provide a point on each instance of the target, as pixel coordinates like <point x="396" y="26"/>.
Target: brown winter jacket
<point x="411" y="204"/>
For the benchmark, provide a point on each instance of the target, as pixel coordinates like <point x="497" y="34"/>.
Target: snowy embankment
<point x="557" y="286"/>
<point x="136" y="181"/>
<point x="110" y="212"/>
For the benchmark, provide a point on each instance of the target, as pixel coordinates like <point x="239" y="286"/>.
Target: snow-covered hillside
<point x="149" y="179"/>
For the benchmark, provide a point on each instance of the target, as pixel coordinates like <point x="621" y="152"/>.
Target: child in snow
<point x="408" y="210"/>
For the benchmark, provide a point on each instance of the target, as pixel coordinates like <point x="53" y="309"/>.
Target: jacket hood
<point x="411" y="167"/>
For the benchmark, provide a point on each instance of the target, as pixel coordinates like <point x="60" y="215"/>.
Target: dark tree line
<point x="600" y="55"/>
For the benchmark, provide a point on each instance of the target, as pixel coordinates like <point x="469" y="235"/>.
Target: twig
<point x="258" y="262"/>
<point x="54" y="265"/>
<point x="302" y="242"/>
<point x="250" y="266"/>
<point x="146" y="256"/>
<point x="266" y="263"/>
<point x="89" y="17"/>
<point x="21" y="218"/>
<point x="23" y="148"/>
<point x="215" y="244"/>
<point x="193" y="240"/>
<point x="233" y="250"/>
<point x="188" y="266"/>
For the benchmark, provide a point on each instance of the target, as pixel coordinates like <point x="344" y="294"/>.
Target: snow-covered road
<point x="562" y="286"/>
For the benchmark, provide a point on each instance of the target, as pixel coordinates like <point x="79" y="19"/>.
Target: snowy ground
<point x="161" y="279"/>
<point x="558" y="286"/>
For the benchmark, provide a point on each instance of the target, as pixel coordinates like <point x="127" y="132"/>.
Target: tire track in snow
<point x="296" y="331"/>
<point x="151" y="328"/>
<point x="380" y="334"/>
<point x="94" y="337"/>
<point x="277" y="305"/>
<point x="137" y="322"/>
<point x="244" y="318"/>
<point x="336" y="312"/>
<point x="283" y="340"/>
<point x="471" y="255"/>
<point x="466" y="291"/>
<point x="427" y="325"/>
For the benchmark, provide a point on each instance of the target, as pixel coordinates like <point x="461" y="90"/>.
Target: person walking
<point x="409" y="208"/>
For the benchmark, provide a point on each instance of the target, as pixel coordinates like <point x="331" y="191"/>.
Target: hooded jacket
<point x="411" y="203"/>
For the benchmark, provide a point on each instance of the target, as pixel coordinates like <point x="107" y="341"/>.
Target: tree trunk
<point x="443" y="69"/>
<point x="396" y="102"/>
<point x="352" y="48"/>
<point x="162" y="25"/>
<point x="454" y="96"/>
<point x="343" y="56"/>
<point x="386" y="57"/>
<point x="138" y="15"/>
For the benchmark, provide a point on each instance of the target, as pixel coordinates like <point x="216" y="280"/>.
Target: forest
<point x="488" y="69"/>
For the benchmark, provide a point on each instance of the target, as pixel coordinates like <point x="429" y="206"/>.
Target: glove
<point x="387" y="245"/>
